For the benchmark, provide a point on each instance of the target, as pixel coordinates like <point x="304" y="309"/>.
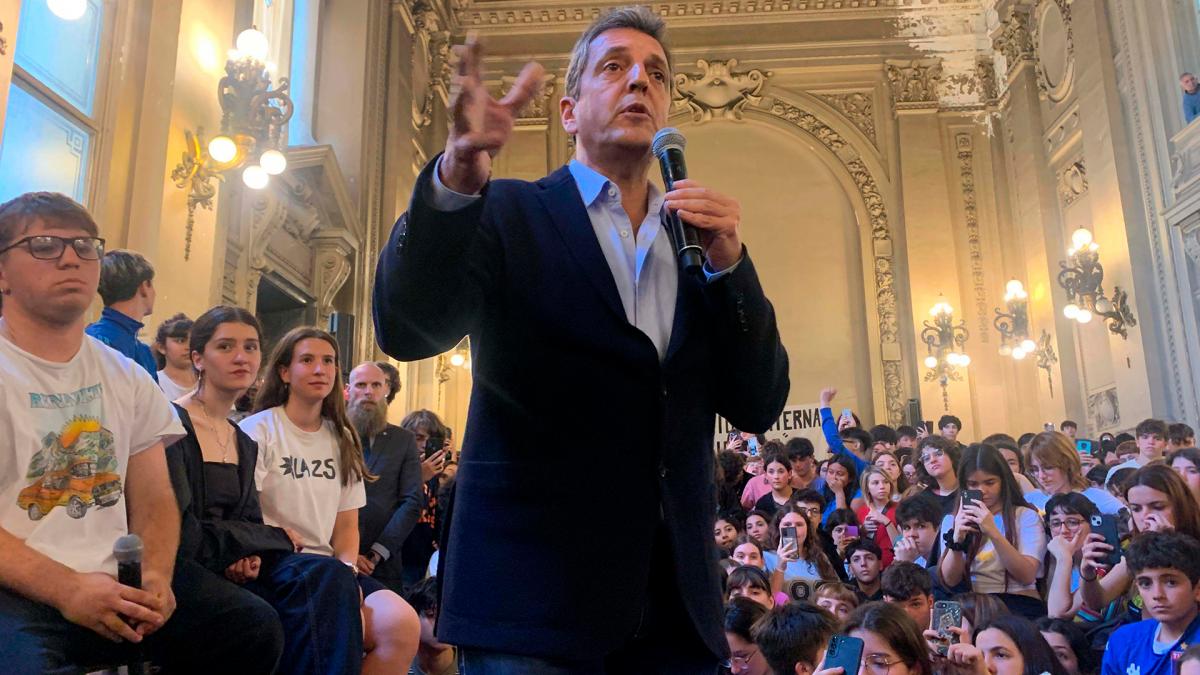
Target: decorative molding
<point x="858" y="107"/>
<point x="1072" y="183"/>
<point x="718" y="90"/>
<point x="1062" y="132"/>
<point x="1104" y="410"/>
<point x="985" y="74"/>
<point x="267" y="214"/>
<point x="1014" y="42"/>
<point x="881" y="236"/>
<point x="966" y="171"/>
<point x="540" y="108"/>
<point x="333" y="259"/>
<point x="430" y="58"/>
<point x="531" y="14"/>
<point x="915" y="84"/>
<point x="3" y="42"/>
<point x="1059" y="91"/>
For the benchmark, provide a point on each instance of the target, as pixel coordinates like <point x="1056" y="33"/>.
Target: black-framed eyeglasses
<point x="50" y="247"/>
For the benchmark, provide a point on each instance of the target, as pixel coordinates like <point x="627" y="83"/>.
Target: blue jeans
<point x="316" y="597"/>
<point x="217" y="627"/>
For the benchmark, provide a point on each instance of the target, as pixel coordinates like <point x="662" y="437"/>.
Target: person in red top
<point x="878" y="515"/>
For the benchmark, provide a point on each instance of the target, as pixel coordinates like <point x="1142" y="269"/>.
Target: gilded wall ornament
<point x="718" y="90"/>
<point x="881" y="236"/>
<point x="966" y="169"/>
<point x="915" y="84"/>
<point x="1072" y="183"/>
<point x="858" y="107"/>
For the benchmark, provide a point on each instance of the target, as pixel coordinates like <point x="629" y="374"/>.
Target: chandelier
<point x="1082" y="277"/>
<point x="944" y="339"/>
<point x="253" y="117"/>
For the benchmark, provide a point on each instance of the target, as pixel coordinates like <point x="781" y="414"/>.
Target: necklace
<point x="216" y="434"/>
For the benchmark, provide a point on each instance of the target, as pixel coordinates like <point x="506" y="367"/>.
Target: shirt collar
<point x="122" y="320"/>
<point x="592" y="183"/>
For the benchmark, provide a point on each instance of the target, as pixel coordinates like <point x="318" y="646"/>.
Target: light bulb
<point x="457" y="360"/>
<point x="1104" y="305"/>
<point x="253" y="43"/>
<point x="1006" y="350"/>
<point x="1018" y="353"/>
<point x="1080" y="239"/>
<point x="931" y="362"/>
<point x="964" y="360"/>
<point x="952" y="358"/>
<point x="255" y="178"/>
<point x="1071" y="311"/>
<point x="1028" y="345"/>
<point x="67" y="10"/>
<point x="1014" y="288"/>
<point x="1084" y="316"/>
<point x="273" y="162"/>
<point x="222" y="149"/>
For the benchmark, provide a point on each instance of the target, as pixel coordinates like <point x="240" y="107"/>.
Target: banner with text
<point x="795" y="420"/>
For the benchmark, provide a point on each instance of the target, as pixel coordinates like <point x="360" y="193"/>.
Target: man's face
<point x="368" y="386"/>
<point x="55" y="292"/>
<point x="624" y="93"/>
<point x="950" y="431"/>
<point x="812" y="511"/>
<point x="1189" y="83"/>
<point x="1070" y="431"/>
<point x="804" y="467"/>
<point x="1151" y="445"/>
<point x="864" y="565"/>
<point x="922" y="534"/>
<point x="907" y="442"/>
<point x="1167" y="593"/>
<point x="918" y="607"/>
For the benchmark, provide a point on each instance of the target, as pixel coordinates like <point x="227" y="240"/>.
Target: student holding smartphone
<point x="799" y="564"/>
<point x="891" y="641"/>
<point x="996" y="540"/>
<point x="1070" y="517"/>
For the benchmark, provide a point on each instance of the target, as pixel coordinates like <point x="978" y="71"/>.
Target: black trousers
<point x="217" y="627"/>
<point x="664" y="643"/>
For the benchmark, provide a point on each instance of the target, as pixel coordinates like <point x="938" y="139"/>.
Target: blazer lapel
<point x="380" y="439"/>
<point x="569" y="215"/>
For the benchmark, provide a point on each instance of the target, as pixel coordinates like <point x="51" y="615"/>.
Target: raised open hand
<point x="479" y="124"/>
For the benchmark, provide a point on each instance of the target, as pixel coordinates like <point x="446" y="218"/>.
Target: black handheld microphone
<point x="128" y="551"/>
<point x="668" y="148"/>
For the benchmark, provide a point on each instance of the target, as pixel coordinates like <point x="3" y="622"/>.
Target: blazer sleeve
<point x="749" y="362"/>
<point x="433" y="274"/>
<point x="412" y="498"/>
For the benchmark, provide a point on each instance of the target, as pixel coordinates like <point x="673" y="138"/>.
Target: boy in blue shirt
<point x="1166" y="570"/>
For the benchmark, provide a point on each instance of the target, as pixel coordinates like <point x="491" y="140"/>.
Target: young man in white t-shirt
<point x="82" y="431"/>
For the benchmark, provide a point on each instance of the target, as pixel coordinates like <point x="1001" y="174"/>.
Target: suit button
<point x="664" y="392"/>
<point x="662" y="471"/>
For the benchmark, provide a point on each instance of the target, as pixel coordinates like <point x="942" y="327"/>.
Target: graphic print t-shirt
<point x="299" y="478"/>
<point x="67" y="431"/>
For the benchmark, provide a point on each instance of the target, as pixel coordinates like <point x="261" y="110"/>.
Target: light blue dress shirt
<point x="643" y="264"/>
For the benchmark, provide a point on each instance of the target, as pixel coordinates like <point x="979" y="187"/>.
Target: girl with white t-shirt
<point x="998" y="542"/>
<point x="799" y="564"/>
<point x="310" y="477"/>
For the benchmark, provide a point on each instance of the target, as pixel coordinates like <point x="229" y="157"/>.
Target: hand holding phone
<point x="787" y="536"/>
<point x="1106" y="526"/>
<point x="946" y="615"/>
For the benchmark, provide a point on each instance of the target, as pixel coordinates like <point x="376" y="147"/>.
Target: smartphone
<point x="1106" y="525"/>
<point x="1085" y="446"/>
<point x="973" y="496"/>
<point x="847" y="414"/>
<point x="851" y="530"/>
<point x="947" y="614"/>
<point x="734" y="435"/>
<point x="845" y="652"/>
<point x="929" y="426"/>
<point x="752" y="446"/>
<point x="788" y="535"/>
<point x="433" y="444"/>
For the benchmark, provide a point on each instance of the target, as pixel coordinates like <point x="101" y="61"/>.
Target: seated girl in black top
<point x="212" y="469"/>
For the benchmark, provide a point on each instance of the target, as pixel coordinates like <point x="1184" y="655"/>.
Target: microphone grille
<point x="668" y="137"/>
<point x="128" y="549"/>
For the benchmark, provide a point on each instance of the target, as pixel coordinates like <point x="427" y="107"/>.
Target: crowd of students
<point x="1055" y="554"/>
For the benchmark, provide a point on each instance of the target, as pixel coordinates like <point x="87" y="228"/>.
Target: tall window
<point x="52" y="122"/>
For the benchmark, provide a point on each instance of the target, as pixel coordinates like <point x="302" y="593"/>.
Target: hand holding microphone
<point x="711" y="217"/>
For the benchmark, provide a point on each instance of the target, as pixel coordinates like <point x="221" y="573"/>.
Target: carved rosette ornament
<point x="881" y="236"/>
<point x="718" y="90"/>
<point x="915" y="84"/>
<point x="1072" y="183"/>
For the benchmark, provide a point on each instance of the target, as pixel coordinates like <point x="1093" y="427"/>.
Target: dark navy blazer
<point x="579" y="442"/>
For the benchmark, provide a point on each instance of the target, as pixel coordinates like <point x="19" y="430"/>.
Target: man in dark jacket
<point x="580" y="533"/>
<point x="395" y="498"/>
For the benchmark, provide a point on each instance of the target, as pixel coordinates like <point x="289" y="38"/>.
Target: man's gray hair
<point x="637" y="17"/>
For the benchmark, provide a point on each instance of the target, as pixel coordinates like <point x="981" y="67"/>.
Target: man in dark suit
<point x="395" y="498"/>
<point x="580" y="535"/>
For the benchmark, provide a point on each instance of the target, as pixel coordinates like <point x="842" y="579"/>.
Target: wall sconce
<point x="1014" y="332"/>
<point x="945" y="339"/>
<point x="459" y="357"/>
<point x="253" y="117"/>
<point x="1083" y="279"/>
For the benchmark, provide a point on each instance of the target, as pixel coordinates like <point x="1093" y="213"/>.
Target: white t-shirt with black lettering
<point x="67" y="431"/>
<point x="299" y="478"/>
